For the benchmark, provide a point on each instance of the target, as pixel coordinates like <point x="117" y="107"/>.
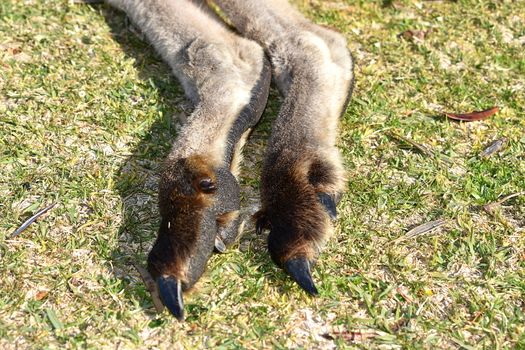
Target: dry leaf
<point x="41" y="294"/>
<point x="413" y="34"/>
<point x="473" y="116"/>
<point x="422" y="148"/>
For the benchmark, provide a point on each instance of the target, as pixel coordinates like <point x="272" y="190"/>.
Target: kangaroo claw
<point x="219" y="245"/>
<point x="259" y="227"/>
<point x="261" y="224"/>
<point x="299" y="270"/>
<point x="328" y="202"/>
<point x="171" y="294"/>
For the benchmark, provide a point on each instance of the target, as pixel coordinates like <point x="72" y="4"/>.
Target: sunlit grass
<point x="86" y="117"/>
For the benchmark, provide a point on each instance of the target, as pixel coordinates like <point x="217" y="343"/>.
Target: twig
<point x="423" y="149"/>
<point x="491" y="206"/>
<point x="31" y="220"/>
<point x="355" y="335"/>
<point x="421" y="229"/>
<point x="493" y="147"/>
<point x="404" y="293"/>
<point x="151" y="286"/>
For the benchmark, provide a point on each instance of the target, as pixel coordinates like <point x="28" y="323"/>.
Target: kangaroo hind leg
<point x="227" y="79"/>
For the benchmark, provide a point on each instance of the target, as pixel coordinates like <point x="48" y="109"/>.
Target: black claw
<point x="328" y="203"/>
<point x="299" y="270"/>
<point x="171" y="294"/>
<point x="219" y="245"/>
<point x="260" y="225"/>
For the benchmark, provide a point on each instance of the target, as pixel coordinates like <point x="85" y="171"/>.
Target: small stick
<point x="421" y="148"/>
<point x="151" y="286"/>
<point x="421" y="229"/>
<point x="490" y="207"/>
<point x="404" y="294"/>
<point x="357" y="335"/>
<point x="493" y="147"/>
<point x="31" y="220"/>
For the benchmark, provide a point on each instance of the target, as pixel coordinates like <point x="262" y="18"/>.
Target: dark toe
<point x="260" y="225"/>
<point x="219" y="245"/>
<point x="328" y="202"/>
<point x="170" y="291"/>
<point x="299" y="270"/>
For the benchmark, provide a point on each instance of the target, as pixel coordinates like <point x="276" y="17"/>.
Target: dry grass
<point x="86" y="116"/>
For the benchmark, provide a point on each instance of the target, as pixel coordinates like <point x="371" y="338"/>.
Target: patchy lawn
<point x="88" y="111"/>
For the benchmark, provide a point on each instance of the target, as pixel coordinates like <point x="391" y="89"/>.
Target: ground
<point x="88" y="111"/>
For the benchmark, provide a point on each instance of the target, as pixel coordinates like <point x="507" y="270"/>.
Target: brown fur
<point x="181" y="206"/>
<point x="298" y="223"/>
<point x="226" y="218"/>
<point x="313" y="69"/>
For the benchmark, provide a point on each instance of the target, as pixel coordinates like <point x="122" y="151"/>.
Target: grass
<point x="86" y="116"/>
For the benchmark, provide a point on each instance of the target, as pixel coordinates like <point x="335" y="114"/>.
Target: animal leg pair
<point x="227" y="79"/>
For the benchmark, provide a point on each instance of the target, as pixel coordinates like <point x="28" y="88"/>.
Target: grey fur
<point x="217" y="68"/>
<point x="311" y="65"/>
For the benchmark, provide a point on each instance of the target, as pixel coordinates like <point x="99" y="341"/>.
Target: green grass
<point x="86" y="116"/>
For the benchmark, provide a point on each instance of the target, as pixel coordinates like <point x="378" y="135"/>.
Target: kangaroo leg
<point x="303" y="175"/>
<point x="227" y="79"/>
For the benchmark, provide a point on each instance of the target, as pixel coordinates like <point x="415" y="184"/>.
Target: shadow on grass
<point x="137" y="179"/>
